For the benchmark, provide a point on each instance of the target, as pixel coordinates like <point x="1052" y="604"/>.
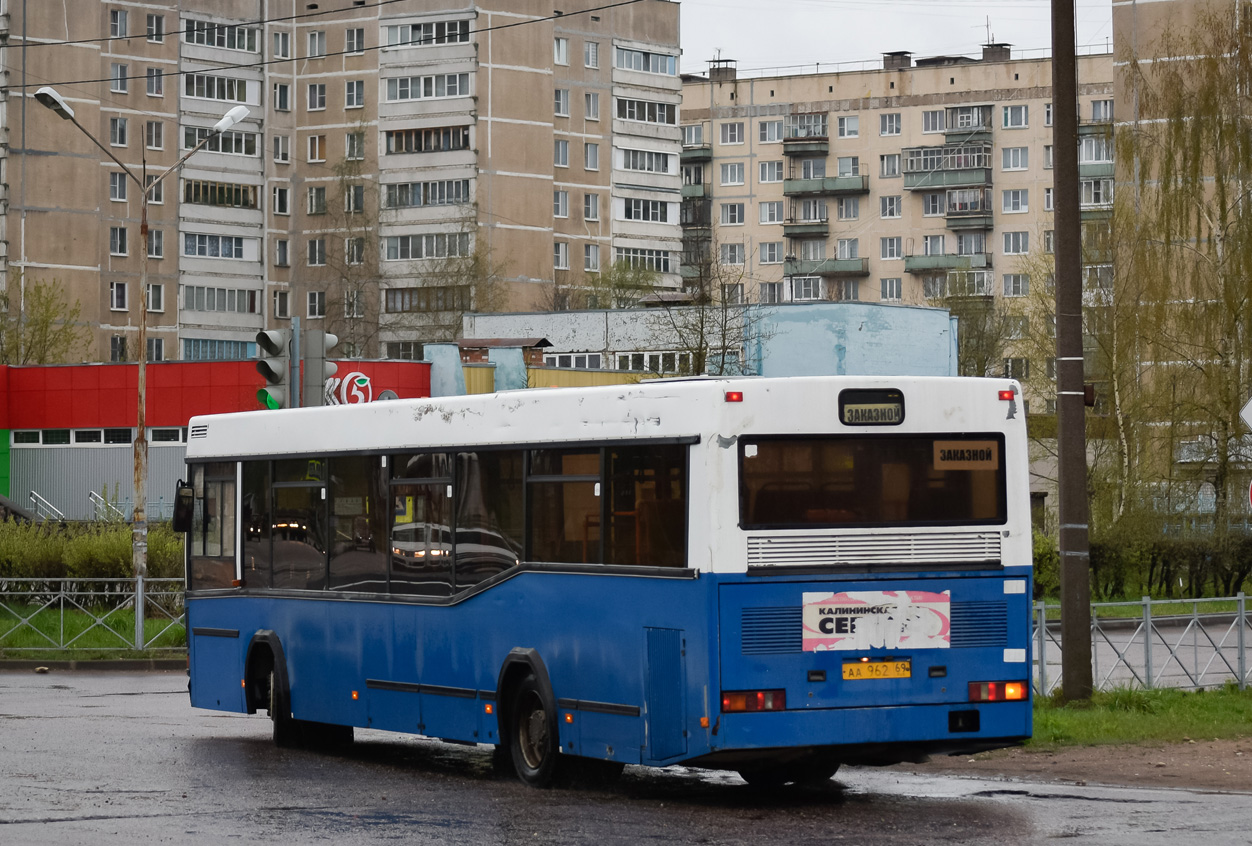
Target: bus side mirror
<point x="184" y="503"/>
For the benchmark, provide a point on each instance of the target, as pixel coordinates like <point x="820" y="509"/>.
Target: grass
<point x="114" y="630"/>
<point x="1129" y="716"/>
<point x="1160" y="608"/>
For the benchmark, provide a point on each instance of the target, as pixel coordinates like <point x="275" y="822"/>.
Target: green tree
<point x="38" y="324"/>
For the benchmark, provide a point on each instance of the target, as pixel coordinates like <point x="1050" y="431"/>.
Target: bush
<point x="165" y="552"/>
<point x="100" y="552"/>
<point x="1047" y="566"/>
<point x="32" y="550"/>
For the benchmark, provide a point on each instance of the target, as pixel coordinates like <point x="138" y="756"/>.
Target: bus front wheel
<point x="286" y="730"/>
<point x="533" y="739"/>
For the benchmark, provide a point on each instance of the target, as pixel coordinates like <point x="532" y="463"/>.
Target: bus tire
<point x="286" y="729"/>
<point x="533" y="738"/>
<point x="803" y="774"/>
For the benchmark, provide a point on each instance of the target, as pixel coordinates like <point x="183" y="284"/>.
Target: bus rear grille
<point x="778" y="630"/>
<point x="929" y="548"/>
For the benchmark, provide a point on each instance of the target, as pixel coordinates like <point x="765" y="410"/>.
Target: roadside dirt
<point x="1224" y="765"/>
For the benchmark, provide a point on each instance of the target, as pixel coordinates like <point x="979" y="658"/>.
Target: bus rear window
<point x="887" y="480"/>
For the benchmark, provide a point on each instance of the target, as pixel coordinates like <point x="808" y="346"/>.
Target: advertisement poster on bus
<point x="887" y="619"/>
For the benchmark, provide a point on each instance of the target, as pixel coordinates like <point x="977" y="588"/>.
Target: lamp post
<point x="139" y="534"/>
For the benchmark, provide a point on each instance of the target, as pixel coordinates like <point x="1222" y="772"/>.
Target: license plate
<point x="857" y="670"/>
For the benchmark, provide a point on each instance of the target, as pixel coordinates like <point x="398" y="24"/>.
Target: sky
<point x="785" y="35"/>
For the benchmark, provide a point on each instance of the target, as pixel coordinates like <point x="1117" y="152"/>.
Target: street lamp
<point x="139" y="536"/>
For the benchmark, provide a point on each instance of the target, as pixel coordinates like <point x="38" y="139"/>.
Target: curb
<point x="130" y="665"/>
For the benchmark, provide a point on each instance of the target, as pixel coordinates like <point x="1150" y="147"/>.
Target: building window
<point x="1016" y="243"/>
<point x="1017" y="368"/>
<point x="354" y="40"/>
<point x="640" y="60"/>
<point x="282" y="304"/>
<point x="889" y="123"/>
<point x="731" y="254"/>
<point x="772" y="212"/>
<point x="221" y="35"/>
<point x="770" y="131"/>
<point x="591" y="105"/>
<point x="317" y="44"/>
<point x="118" y="82"/>
<point x="812" y="168"/>
<point x="889" y="165"/>
<point x="156" y="244"/>
<point x="117" y="296"/>
<point x="560" y="255"/>
<point x="732" y="133"/>
<point x="1101" y="110"/>
<point x="354" y="304"/>
<point x="889" y="207"/>
<point x="317" y="252"/>
<point x="282" y="149"/>
<point x="1016" y="284"/>
<point x="117" y="241"/>
<point x="850" y="126"/>
<point x="560" y="105"/>
<point x="1016" y="201"/>
<point x="848" y="208"/>
<point x="209" y="87"/>
<point x="1015" y="158"/>
<point x="932" y="245"/>
<point x="156" y="352"/>
<point x="848" y="165"/>
<point x="281" y="257"/>
<point x="693" y="135"/>
<point x="229" y="194"/>
<point x="1095" y="149"/>
<point x="282" y="45"/>
<point x="560" y="153"/>
<point x="282" y="97"/>
<point x="591" y="257"/>
<point x="117" y="132"/>
<point x="1047" y="199"/>
<point x="806" y="288"/>
<point x="354" y="199"/>
<point x="591" y="207"/>
<point x="156" y="82"/>
<point x="1047" y="156"/>
<point x="117" y="187"/>
<point x="591" y="156"/>
<point x="732" y="173"/>
<point x="932" y="205"/>
<point x="317" y="304"/>
<point x="156" y="28"/>
<point x="317" y="148"/>
<point x="212" y="246"/>
<point x="890" y="248"/>
<point x="1049" y="241"/>
<point x="426" y="34"/>
<point x="560" y="51"/>
<point x="647" y="111"/>
<point x="771" y="172"/>
<point x="891" y="290"/>
<point x="118" y="24"/>
<point x="317" y="199"/>
<point x="932" y="121"/>
<point x="653" y="211"/>
<point x="354" y="94"/>
<point x="732" y="214"/>
<point x="812" y="249"/>
<point x="154" y="135"/>
<point x="770" y="292"/>
<point x="1047" y="114"/>
<point x="156" y="298"/>
<point x="560" y="203"/>
<point x="117" y="348"/>
<point x="230" y="143"/>
<point x="771" y="252"/>
<point x="317" y="97"/>
<point x="646" y="161"/>
<point x="1096" y="192"/>
<point x="1016" y="117"/>
<point x="847" y="248"/>
<point x="591" y="54"/>
<point x="354" y="146"/>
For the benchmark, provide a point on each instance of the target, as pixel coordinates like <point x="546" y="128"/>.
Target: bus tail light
<point x="997" y="691"/>
<point x="1006" y="395"/>
<point x="754" y="700"/>
<point x="734" y="396"/>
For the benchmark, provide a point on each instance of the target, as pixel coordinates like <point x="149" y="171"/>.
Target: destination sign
<point x="871" y="407"/>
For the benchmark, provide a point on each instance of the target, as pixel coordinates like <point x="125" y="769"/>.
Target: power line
<point x="267" y="62"/>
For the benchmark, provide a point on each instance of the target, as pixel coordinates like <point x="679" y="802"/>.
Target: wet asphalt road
<point x="108" y="758"/>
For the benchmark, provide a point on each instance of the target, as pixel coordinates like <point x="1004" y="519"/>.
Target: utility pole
<point x="1073" y="508"/>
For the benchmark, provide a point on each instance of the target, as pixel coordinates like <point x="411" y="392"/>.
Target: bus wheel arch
<point x="267" y="686"/>
<point x="527" y="718"/>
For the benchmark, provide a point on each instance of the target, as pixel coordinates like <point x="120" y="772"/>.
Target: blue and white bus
<point x="773" y="576"/>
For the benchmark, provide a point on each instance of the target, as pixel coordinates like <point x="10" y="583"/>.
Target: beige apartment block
<point x="895" y="184"/>
<point x="401" y="163"/>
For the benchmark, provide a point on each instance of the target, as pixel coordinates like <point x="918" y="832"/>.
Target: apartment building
<point x="400" y="164"/>
<point x="898" y="184"/>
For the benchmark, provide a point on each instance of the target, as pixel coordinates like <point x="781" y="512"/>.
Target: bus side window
<point x="211" y="542"/>
<point x="358" y="530"/>
<point x="299" y="524"/>
<point x="488" y="514"/>
<point x="647" y="506"/>
<point x="563" y="487"/>
<point x="421" y="525"/>
<point x="257" y="521"/>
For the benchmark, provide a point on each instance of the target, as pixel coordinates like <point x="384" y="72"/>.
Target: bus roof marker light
<point x="734" y="396"/>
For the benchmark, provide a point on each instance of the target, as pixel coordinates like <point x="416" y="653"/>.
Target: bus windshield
<point x="880" y="480"/>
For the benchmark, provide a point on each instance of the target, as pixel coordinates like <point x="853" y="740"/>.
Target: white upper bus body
<point x="711" y="414"/>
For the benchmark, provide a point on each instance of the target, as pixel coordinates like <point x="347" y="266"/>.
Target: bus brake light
<point x="734" y="396"/>
<point x="997" y="691"/>
<point x="1006" y="395"/>
<point x="754" y="700"/>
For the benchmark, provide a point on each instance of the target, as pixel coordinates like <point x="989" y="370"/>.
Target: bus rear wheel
<point x="533" y="739"/>
<point x="286" y="729"/>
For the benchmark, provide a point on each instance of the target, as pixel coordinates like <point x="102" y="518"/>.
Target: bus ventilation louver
<point x="895" y="548"/>
<point x="778" y="630"/>
<point x="199" y="432"/>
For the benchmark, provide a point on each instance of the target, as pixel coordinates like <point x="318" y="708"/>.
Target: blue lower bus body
<point x="637" y="663"/>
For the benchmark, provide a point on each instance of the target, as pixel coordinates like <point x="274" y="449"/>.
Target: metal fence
<point x="93" y="615"/>
<point x="1198" y="643"/>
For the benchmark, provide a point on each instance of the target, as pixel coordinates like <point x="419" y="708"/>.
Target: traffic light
<point x="275" y="366"/>
<point x="317" y="369"/>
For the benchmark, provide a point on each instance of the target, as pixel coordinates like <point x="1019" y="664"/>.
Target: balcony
<point x="830" y="185"/>
<point x="806" y="145"/>
<point x="925" y="264"/>
<point x="806" y="228"/>
<point x="827" y="267"/>
<point x="949" y="166"/>
<point x="931" y="180"/>
<point x="695" y="155"/>
<point x="1095" y="170"/>
<point x="694" y="192"/>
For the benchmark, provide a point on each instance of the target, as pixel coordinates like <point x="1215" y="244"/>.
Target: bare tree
<point x="38" y="325"/>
